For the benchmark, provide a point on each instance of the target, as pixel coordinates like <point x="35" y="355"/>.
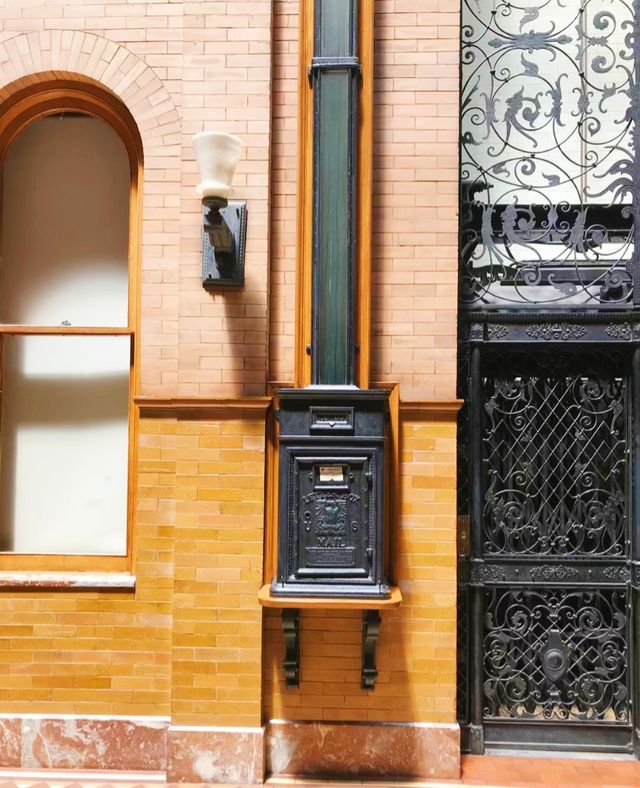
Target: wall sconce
<point x="224" y="220"/>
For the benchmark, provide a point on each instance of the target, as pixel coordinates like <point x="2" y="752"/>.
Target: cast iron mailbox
<point x="331" y="482"/>
<point x="332" y="432"/>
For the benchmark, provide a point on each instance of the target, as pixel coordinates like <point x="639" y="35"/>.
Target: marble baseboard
<point x="363" y="750"/>
<point x="10" y="742"/>
<point x="67" y="742"/>
<point x="191" y="754"/>
<point x="198" y="754"/>
<point x="215" y="755"/>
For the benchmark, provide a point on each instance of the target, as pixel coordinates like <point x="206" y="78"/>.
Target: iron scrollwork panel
<point x="555" y="456"/>
<point x="556" y="655"/>
<point x="553" y="645"/>
<point x="550" y="152"/>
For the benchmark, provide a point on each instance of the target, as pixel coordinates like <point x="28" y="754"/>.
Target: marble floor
<point x="489" y="771"/>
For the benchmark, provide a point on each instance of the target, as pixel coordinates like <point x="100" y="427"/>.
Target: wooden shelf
<point x="266" y="599"/>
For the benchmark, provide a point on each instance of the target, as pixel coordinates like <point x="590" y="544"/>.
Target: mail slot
<point x="330" y="530"/>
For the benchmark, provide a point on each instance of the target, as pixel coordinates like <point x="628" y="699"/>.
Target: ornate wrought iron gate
<point x="549" y="367"/>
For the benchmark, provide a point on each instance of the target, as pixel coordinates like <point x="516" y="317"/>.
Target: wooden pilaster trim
<point x="429" y="408"/>
<point x="364" y="191"/>
<point x="304" y="195"/>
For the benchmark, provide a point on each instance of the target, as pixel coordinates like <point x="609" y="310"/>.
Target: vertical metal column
<point x="334" y="74"/>
<point x="634" y="591"/>
<point x="476" y="587"/>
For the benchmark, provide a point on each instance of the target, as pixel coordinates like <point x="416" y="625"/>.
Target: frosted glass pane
<point x="332" y="270"/>
<point x="64" y="434"/>
<point x="335" y="28"/>
<point x="65" y="225"/>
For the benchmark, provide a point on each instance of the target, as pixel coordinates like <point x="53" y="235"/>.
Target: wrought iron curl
<point x="549" y="167"/>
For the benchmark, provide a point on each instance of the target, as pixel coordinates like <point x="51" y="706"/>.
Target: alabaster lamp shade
<point x="217" y="154"/>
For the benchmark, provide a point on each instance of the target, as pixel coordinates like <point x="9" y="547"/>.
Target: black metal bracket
<point x="370" y="632"/>
<point x="333" y="64"/>
<point x="223" y="243"/>
<point x="291" y="632"/>
<point x="371" y="622"/>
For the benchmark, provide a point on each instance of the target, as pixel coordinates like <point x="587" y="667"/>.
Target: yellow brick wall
<point x="197" y="65"/>
<point x="217" y="629"/>
<point x="415" y="208"/>
<point x="283" y="190"/>
<point x="189" y="641"/>
<point x="102" y="652"/>
<point x="416" y="650"/>
<point x="180" y="67"/>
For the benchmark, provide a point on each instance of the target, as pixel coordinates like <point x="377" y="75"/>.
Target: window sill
<point x="68" y="581"/>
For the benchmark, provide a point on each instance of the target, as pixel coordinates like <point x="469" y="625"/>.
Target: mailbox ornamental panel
<point x="331" y="481"/>
<point x="332" y="517"/>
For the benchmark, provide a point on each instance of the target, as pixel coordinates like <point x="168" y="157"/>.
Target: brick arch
<point x="29" y="59"/>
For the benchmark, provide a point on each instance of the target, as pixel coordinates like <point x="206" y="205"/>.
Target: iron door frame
<point x="480" y="575"/>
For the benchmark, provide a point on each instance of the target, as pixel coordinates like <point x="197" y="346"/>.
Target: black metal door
<point x="548" y="576"/>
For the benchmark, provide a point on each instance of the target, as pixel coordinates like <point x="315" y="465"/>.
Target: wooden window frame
<point x="26" y="106"/>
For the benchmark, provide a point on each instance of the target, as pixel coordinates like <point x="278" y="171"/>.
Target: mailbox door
<point x="332" y="516"/>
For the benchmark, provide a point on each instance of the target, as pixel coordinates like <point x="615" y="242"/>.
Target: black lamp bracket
<point x="223" y="242"/>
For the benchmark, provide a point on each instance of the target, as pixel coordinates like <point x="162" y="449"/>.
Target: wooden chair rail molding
<point x="430" y="408"/>
<point x="424" y="408"/>
<point x="193" y="406"/>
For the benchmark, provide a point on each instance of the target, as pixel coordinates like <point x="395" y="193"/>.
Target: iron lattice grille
<point x="556" y="655"/>
<point x="550" y="152"/>
<point x="555" y="456"/>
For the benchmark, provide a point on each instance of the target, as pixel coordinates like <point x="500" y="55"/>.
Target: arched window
<point x="71" y="161"/>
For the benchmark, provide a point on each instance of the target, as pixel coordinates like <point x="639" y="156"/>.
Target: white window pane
<point x="65" y="225"/>
<point x="64" y="434"/>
